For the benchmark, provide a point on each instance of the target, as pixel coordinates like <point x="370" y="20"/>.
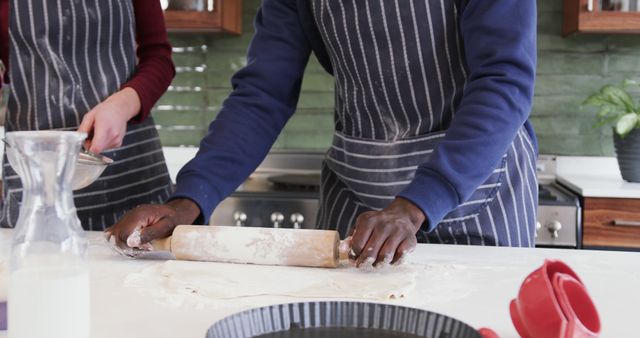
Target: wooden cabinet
<point x="223" y="16"/>
<point x="611" y="223"/>
<point x="601" y="16"/>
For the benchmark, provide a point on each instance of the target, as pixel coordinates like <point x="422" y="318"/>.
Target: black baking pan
<point x="339" y="320"/>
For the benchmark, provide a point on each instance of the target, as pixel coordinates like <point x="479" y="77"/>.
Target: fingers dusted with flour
<point x="140" y="226"/>
<point x="385" y="237"/>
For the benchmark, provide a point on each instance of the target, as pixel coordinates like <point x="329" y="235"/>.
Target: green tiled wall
<point x="204" y="65"/>
<point x="568" y="70"/>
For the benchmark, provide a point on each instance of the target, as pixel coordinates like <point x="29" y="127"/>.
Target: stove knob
<point x="554" y="227"/>
<point x="297" y="220"/>
<point x="277" y="218"/>
<point x="538" y="227"/>
<point x="240" y="217"/>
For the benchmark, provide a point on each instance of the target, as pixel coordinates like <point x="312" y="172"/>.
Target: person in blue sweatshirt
<point x="431" y="141"/>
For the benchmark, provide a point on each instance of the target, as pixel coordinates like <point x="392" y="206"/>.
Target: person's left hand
<point x="107" y="122"/>
<point x="383" y="237"/>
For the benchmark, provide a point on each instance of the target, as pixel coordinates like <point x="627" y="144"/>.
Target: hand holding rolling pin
<point x="132" y="234"/>
<point x="387" y="236"/>
<point x="379" y="238"/>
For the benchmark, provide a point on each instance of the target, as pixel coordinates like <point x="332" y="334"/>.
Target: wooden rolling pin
<point x="265" y="246"/>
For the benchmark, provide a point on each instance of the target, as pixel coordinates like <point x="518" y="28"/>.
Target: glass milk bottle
<point x="49" y="273"/>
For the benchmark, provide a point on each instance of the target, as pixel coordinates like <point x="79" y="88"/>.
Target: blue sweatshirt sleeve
<point x="500" y="45"/>
<point x="265" y="94"/>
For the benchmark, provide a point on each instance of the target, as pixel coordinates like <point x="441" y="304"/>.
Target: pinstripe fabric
<point x="66" y="57"/>
<point x="400" y="72"/>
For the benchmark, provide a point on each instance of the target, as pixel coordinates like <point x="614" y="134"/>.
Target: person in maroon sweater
<point x="96" y="67"/>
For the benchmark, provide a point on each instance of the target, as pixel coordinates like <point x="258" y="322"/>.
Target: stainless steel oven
<point x="559" y="213"/>
<point x="282" y="192"/>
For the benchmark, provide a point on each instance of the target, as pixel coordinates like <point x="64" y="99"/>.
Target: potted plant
<point x="618" y="107"/>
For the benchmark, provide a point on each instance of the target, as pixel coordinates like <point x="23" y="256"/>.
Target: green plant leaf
<point x="612" y="109"/>
<point x="618" y="96"/>
<point x="598" y="100"/>
<point x="610" y="112"/>
<point x="626" y="124"/>
<point x="616" y="103"/>
<point x="605" y="120"/>
<point x="630" y="83"/>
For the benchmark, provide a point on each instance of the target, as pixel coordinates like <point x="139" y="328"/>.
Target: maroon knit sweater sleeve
<point x="4" y="35"/>
<point x="155" y="68"/>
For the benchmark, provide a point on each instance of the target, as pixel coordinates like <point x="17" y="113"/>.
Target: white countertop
<point x="595" y="177"/>
<point x="477" y="291"/>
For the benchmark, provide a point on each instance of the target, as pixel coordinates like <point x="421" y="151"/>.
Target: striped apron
<point x="67" y="56"/>
<point x="400" y="72"/>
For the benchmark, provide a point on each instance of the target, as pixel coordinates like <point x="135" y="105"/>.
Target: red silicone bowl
<point x="553" y="303"/>
<point x="577" y="306"/>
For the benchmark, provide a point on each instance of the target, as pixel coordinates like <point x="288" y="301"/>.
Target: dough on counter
<point x="177" y="283"/>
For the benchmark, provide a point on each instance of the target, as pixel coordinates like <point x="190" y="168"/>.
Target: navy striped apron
<point x="67" y="56"/>
<point x="400" y="72"/>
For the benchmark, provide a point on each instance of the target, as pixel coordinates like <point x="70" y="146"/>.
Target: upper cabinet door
<point x="601" y="16"/>
<point x="203" y="15"/>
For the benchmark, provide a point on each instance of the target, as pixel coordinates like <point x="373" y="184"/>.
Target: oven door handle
<point x="626" y="223"/>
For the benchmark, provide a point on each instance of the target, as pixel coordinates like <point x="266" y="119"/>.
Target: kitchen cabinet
<point x="204" y="16"/>
<point x="611" y="223"/>
<point x="601" y="16"/>
<point x="610" y="205"/>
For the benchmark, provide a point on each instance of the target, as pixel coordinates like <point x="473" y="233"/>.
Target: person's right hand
<point x="138" y="227"/>
<point x="106" y="123"/>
